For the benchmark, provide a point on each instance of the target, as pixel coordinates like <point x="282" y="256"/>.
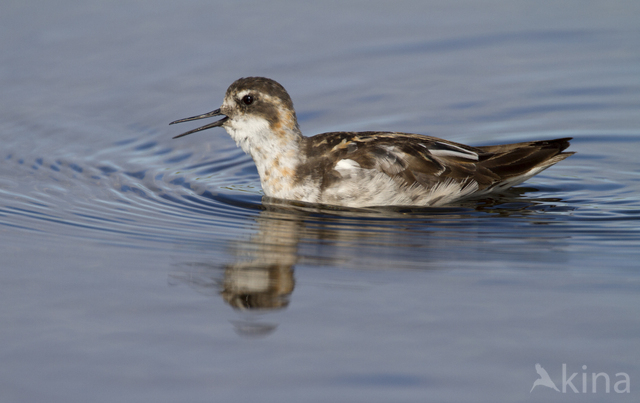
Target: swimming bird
<point x="361" y="169"/>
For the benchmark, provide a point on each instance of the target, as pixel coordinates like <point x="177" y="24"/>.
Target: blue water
<point x="138" y="268"/>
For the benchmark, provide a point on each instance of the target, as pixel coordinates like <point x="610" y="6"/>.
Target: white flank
<point x="347" y="167"/>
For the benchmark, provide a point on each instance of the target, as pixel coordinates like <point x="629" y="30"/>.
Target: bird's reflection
<point x="261" y="277"/>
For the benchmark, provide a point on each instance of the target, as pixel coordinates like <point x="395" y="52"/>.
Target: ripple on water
<point x="127" y="188"/>
<point x="139" y="188"/>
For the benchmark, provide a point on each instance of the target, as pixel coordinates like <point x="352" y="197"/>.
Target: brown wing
<point x="416" y="159"/>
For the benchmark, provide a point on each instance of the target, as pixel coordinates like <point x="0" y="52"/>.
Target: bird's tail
<point x="513" y="164"/>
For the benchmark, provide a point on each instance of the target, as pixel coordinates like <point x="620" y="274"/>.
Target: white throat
<point x="276" y="153"/>
<point x="248" y="132"/>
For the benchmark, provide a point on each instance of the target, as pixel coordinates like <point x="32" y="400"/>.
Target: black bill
<point x="205" y="127"/>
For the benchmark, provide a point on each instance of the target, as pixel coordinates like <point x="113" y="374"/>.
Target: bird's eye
<point x="247" y="99"/>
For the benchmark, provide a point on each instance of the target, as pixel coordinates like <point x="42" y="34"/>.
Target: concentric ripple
<point x="148" y="191"/>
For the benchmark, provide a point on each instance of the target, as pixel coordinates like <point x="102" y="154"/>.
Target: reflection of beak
<point x="205" y="127"/>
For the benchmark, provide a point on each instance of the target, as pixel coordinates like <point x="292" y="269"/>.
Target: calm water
<point x="137" y="268"/>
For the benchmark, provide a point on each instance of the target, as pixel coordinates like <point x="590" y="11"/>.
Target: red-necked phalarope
<point x="359" y="169"/>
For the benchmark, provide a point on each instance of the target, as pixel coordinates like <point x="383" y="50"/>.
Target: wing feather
<point x="416" y="160"/>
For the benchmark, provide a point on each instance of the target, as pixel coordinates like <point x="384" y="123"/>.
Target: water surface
<point x="138" y="268"/>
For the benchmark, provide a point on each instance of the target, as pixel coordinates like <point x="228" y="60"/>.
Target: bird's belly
<point x="378" y="189"/>
<point x="281" y="188"/>
<point x="368" y="187"/>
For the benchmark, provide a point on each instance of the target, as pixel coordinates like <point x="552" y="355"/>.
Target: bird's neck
<point x="276" y="153"/>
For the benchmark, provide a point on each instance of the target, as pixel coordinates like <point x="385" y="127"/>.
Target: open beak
<point x="205" y="127"/>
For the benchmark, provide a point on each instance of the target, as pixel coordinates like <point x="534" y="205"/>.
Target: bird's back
<point x="373" y="168"/>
